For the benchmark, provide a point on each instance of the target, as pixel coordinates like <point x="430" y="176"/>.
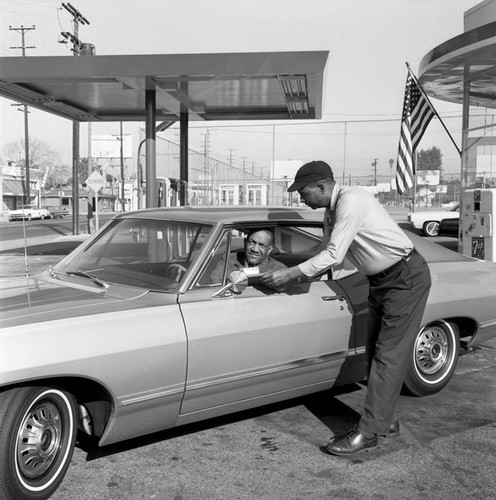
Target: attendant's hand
<point x="282" y="277"/>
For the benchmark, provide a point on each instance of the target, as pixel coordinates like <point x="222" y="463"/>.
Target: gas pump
<point x="477" y="219"/>
<point x="169" y="192"/>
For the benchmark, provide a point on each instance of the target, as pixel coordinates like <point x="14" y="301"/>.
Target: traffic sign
<point x="95" y="181"/>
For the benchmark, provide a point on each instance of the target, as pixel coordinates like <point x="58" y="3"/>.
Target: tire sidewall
<point x="420" y="384"/>
<point x="426" y="226"/>
<point x="45" y="486"/>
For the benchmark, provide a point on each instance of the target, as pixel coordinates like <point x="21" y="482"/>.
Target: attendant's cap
<point x="312" y="171"/>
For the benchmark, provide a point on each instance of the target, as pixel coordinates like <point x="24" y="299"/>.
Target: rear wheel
<point x="431" y="228"/>
<point x="37" y="434"/>
<point x="433" y="359"/>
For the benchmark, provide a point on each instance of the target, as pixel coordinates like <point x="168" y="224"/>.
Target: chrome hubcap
<point x="38" y="440"/>
<point x="431" y="351"/>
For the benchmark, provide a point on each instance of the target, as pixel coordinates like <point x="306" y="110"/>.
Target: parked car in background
<point x="56" y="212"/>
<point x="140" y="329"/>
<point x="28" y="212"/>
<point x="428" y="221"/>
<point x="449" y="227"/>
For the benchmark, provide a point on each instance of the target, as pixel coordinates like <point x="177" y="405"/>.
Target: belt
<point x="394" y="267"/>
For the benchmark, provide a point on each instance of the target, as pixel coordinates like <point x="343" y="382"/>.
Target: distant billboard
<point x="109" y="146"/>
<point x="430" y="177"/>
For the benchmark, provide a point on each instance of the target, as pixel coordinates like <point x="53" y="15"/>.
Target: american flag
<point x="417" y="113"/>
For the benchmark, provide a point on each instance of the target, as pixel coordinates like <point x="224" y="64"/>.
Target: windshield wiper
<point x="81" y="274"/>
<point x="92" y="277"/>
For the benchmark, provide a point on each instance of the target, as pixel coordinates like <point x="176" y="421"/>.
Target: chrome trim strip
<point x="487" y="324"/>
<point x="283" y="367"/>
<point x="161" y="393"/>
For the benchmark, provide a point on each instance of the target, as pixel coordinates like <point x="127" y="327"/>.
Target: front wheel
<point x="37" y="434"/>
<point x="431" y="228"/>
<point x="433" y="358"/>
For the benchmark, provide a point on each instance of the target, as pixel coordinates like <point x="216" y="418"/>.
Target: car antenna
<point x="26" y="253"/>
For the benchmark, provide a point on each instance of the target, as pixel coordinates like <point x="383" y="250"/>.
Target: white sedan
<point x="428" y="221"/>
<point x="28" y="212"/>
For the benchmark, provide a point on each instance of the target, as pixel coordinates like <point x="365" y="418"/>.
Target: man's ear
<point x="322" y="187"/>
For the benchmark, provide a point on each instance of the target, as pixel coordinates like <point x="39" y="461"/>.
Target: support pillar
<point x="150" y="149"/>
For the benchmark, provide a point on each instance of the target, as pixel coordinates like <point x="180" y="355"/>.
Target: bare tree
<point x="42" y="158"/>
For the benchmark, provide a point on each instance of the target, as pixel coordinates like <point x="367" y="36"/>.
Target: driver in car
<point x="255" y="259"/>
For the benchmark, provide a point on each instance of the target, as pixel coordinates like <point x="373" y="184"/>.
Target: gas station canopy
<point x="222" y="86"/>
<point x="467" y="61"/>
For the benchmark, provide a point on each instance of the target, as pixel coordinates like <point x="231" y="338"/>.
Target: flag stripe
<point x="417" y="114"/>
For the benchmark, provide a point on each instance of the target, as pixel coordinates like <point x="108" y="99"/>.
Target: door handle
<point x="328" y="298"/>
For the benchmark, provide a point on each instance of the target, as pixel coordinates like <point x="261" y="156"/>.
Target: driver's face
<point x="257" y="247"/>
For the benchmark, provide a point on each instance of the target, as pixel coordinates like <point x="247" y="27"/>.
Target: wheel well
<point x="467" y="327"/>
<point x="95" y="397"/>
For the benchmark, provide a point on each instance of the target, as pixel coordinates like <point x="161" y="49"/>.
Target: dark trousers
<point x="397" y="299"/>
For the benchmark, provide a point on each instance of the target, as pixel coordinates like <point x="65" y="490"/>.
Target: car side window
<point x="214" y="272"/>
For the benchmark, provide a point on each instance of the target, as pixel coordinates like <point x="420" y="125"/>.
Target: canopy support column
<point x="150" y="148"/>
<point x="183" y="151"/>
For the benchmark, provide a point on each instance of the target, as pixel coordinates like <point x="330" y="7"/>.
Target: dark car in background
<point x="449" y="227"/>
<point x="57" y="212"/>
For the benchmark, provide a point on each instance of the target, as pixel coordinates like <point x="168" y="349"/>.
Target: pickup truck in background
<point x="28" y="212"/>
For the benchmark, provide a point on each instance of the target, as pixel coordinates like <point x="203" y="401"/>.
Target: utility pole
<point x="231" y="157"/>
<point x="27" y="199"/>
<point x="123" y="192"/>
<point x="77" y="18"/>
<point x="245" y="192"/>
<point x="391" y="163"/>
<point x="374" y="164"/>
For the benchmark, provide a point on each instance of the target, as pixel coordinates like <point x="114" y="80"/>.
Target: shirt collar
<point x="334" y="196"/>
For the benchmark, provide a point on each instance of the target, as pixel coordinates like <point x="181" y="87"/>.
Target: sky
<point x="369" y="43"/>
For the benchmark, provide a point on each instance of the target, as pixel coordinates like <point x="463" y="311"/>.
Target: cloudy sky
<point x="368" y="43"/>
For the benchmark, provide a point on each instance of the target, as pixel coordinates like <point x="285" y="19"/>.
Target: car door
<point x="262" y="346"/>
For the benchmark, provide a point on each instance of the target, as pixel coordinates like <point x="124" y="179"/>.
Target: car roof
<point x="431" y="251"/>
<point x="223" y="215"/>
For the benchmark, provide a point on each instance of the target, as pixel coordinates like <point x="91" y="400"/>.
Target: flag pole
<point x="414" y="163"/>
<point x="433" y="108"/>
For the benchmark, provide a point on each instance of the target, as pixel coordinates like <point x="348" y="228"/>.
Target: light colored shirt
<point x="358" y="227"/>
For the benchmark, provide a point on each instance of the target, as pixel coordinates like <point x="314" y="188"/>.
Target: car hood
<point x="44" y="298"/>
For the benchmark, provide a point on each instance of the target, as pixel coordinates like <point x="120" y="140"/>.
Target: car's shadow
<point x="325" y="406"/>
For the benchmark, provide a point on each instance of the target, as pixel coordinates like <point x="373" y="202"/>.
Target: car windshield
<point x="151" y="254"/>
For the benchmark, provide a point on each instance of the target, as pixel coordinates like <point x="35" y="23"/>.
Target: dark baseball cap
<point x="311" y="171"/>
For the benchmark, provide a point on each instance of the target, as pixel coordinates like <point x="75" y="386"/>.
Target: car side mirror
<point x="237" y="281"/>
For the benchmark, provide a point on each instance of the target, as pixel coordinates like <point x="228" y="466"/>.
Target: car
<point x="136" y="331"/>
<point x="28" y="212"/>
<point x="56" y="212"/>
<point x="428" y="221"/>
<point x="449" y="227"/>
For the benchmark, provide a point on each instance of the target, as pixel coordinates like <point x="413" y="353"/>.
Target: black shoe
<point x="351" y="443"/>
<point x="394" y="430"/>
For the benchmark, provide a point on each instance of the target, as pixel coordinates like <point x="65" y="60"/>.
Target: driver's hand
<point x="280" y="278"/>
